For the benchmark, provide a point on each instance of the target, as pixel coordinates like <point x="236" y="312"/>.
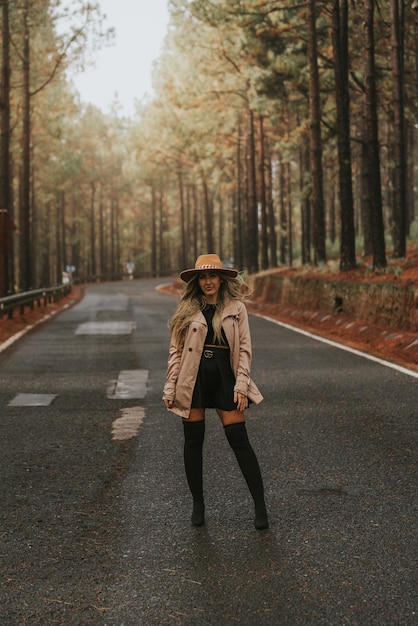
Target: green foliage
<point x="113" y="187"/>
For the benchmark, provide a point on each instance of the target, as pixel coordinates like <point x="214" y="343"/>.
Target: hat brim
<point x="187" y="275"/>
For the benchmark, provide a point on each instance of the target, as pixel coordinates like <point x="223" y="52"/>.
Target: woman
<point x="209" y="367"/>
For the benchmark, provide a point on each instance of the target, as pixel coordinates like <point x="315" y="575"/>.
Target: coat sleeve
<point x="173" y="368"/>
<point x="245" y="353"/>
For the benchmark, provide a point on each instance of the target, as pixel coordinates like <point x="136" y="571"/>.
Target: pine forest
<point x="279" y="133"/>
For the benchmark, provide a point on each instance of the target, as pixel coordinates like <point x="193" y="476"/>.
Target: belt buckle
<point x="208" y="354"/>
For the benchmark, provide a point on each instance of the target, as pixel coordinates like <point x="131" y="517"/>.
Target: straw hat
<point x="204" y="263"/>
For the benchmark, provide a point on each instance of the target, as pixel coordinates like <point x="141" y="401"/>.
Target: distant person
<point x="209" y="367"/>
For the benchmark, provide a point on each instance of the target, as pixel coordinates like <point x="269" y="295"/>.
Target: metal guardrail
<point x="29" y="298"/>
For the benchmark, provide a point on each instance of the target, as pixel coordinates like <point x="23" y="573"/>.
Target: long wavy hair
<point x="194" y="300"/>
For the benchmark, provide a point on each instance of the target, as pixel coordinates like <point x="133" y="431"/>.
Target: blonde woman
<point x="209" y="367"/>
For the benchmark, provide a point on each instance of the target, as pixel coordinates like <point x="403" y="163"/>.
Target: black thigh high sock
<point x="194" y="434"/>
<point x="238" y="440"/>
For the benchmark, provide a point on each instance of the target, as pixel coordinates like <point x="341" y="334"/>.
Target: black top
<point x="209" y="312"/>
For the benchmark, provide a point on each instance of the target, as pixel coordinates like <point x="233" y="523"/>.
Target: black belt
<point x="208" y="352"/>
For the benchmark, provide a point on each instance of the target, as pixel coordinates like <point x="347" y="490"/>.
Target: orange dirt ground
<point x="393" y="345"/>
<point x="19" y="323"/>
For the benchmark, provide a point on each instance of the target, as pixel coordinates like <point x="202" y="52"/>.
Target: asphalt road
<point x="96" y="529"/>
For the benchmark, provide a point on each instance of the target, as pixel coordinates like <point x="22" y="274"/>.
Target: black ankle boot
<point x="238" y="440"/>
<point x="261" y="520"/>
<point x="194" y="434"/>
<point x="198" y="514"/>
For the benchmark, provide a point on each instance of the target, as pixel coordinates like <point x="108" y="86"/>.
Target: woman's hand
<point x="241" y="401"/>
<point x="168" y="403"/>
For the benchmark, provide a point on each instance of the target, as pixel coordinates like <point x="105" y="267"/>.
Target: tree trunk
<point x="410" y="193"/>
<point x="400" y="144"/>
<point x="25" y="245"/>
<point x="6" y="241"/>
<point x="57" y="266"/>
<point x="63" y="211"/>
<point x="341" y="63"/>
<point x="270" y="212"/>
<point x="208" y="219"/>
<point x="262" y="195"/>
<point x="365" y="208"/>
<point x="93" y="230"/>
<point x="289" y="212"/>
<point x="283" y="214"/>
<point x="195" y="232"/>
<point x="153" y="231"/>
<point x="372" y="142"/>
<point x="117" y="238"/>
<point x="414" y="152"/>
<point x="112" y="236"/>
<point x="332" y="225"/>
<point x="317" y="198"/>
<point x="164" y="265"/>
<point x="189" y="222"/>
<point x="239" y="225"/>
<point x="75" y="238"/>
<point x="222" y="227"/>
<point x="102" y="252"/>
<point x="252" y="219"/>
<point x="183" y="251"/>
<point x="305" y="209"/>
<point x="44" y="228"/>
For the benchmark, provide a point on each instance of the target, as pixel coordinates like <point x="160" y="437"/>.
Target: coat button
<point x="194" y="330"/>
<point x="190" y="349"/>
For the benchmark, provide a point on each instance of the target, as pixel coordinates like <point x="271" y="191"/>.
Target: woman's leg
<point x="236" y="433"/>
<point x="194" y="434"/>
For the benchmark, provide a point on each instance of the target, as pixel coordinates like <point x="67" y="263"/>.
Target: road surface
<point x="95" y="510"/>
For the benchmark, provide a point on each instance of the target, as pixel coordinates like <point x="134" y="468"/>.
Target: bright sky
<point x="125" y="68"/>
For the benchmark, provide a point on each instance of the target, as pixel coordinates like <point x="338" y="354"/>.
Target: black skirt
<point x="214" y="388"/>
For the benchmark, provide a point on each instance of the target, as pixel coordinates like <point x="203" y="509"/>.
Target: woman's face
<point x="210" y="283"/>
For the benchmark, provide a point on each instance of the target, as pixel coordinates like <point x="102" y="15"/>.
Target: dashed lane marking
<point x="129" y="384"/>
<point x="105" y="328"/>
<point x="33" y="399"/>
<point x="128" y="424"/>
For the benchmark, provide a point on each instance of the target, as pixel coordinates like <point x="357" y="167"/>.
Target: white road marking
<point x="22" y="332"/>
<point x="128" y="424"/>
<point x="130" y="384"/>
<point x="105" y="328"/>
<point x="341" y="346"/>
<point x="33" y="399"/>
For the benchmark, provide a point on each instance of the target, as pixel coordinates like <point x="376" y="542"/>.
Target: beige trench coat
<point x="183" y="365"/>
